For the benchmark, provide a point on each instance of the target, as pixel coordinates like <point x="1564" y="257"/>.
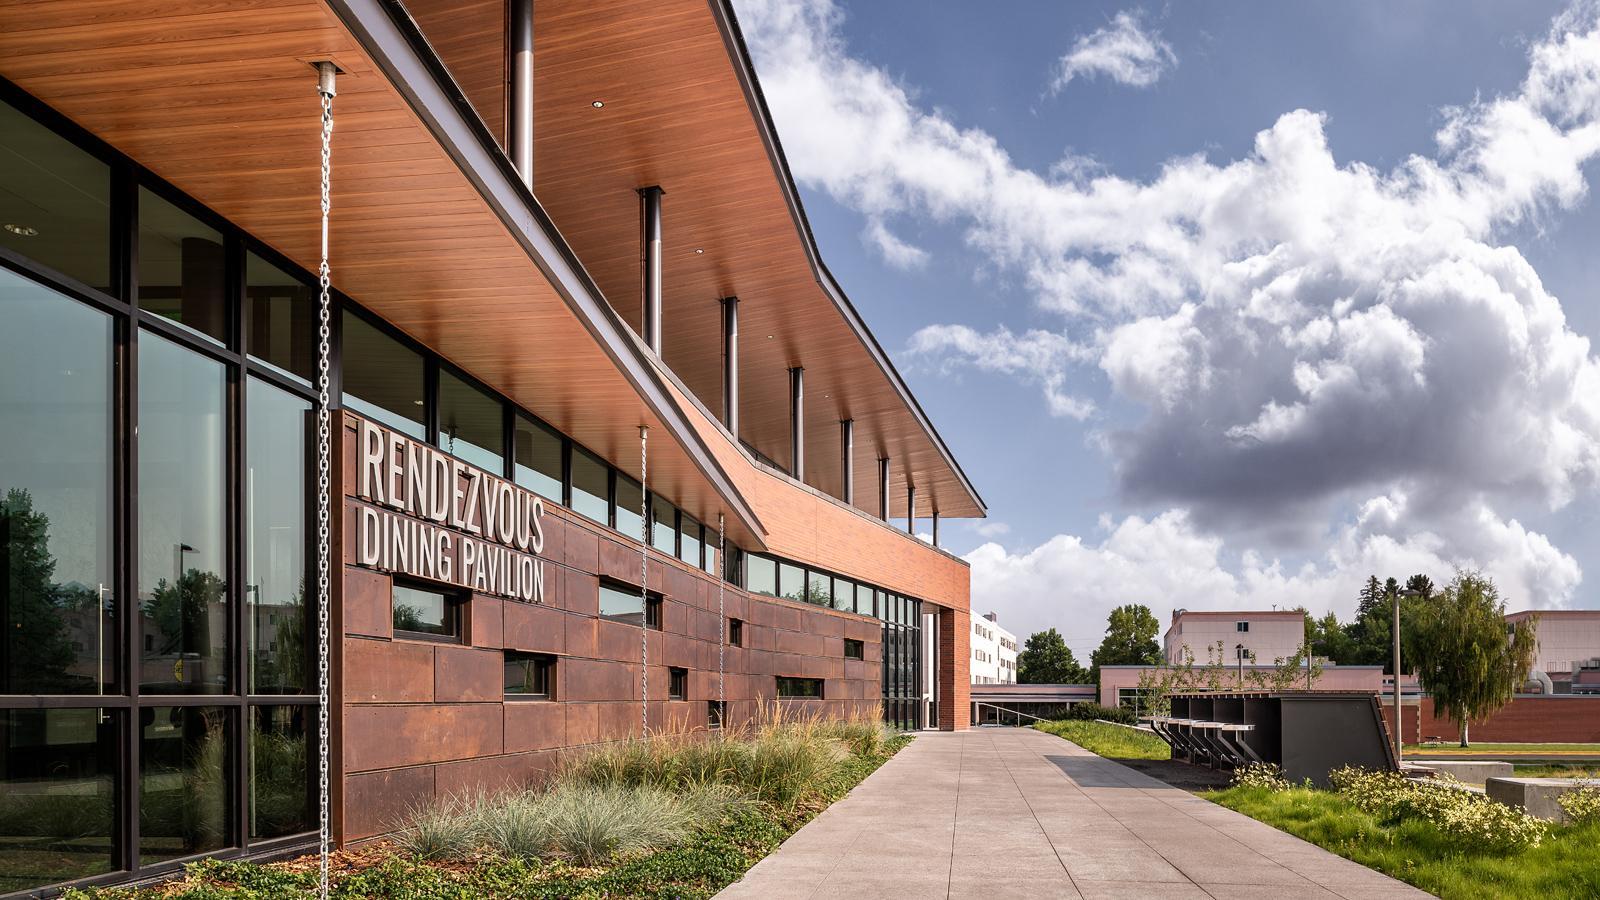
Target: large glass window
<point x="57" y="795"/>
<point x="688" y="540"/>
<point x="280" y="318"/>
<point x="629" y="510"/>
<point x="844" y="594"/>
<point x="819" y="589"/>
<point x="185" y="786"/>
<point x="791" y="582"/>
<point x="591" y="486"/>
<point x="538" y="458"/>
<point x="55" y="202"/>
<point x="760" y="575"/>
<point x="182" y="267"/>
<point x="182" y="553"/>
<point x="471" y="424"/>
<point x="280" y="797"/>
<point x="663" y="526"/>
<point x="276" y="430"/>
<point x="55" y="493"/>
<point x="382" y="377"/>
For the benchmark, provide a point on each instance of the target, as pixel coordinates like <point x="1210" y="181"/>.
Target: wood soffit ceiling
<point x="675" y="114"/>
<point x="217" y="97"/>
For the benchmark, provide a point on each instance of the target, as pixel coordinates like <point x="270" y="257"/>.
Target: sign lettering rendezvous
<point x="435" y="517"/>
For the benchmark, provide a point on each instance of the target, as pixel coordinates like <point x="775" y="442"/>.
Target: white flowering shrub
<point x="1582" y="806"/>
<point x="1472" y="819"/>
<point x="1260" y="775"/>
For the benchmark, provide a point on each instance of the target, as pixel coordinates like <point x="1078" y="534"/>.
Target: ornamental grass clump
<point x="1582" y="806"/>
<point x="1265" y="776"/>
<point x="1471" y="819"/>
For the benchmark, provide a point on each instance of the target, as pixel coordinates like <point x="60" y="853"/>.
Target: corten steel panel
<point x="537" y="629"/>
<point x="387" y="671"/>
<point x="227" y="114"/>
<point x="467" y="674"/>
<point x="368" y="603"/>
<point x="535" y="725"/>
<point x="378" y="802"/>
<point x="386" y="737"/>
<point x="485" y="621"/>
<point x="1320" y="734"/>
<point x="497" y="773"/>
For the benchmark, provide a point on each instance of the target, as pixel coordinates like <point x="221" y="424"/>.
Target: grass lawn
<point x="1526" y="749"/>
<point x="1566" y="866"/>
<point x="710" y="859"/>
<point x="1111" y="741"/>
<point x="1558" y="770"/>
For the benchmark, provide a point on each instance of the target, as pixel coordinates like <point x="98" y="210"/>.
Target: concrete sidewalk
<point x="1005" y="812"/>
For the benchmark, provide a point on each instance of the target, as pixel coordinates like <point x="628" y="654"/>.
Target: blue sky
<point x="1259" y="299"/>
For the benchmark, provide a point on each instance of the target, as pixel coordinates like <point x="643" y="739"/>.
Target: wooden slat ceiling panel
<point x="218" y="98"/>
<point x="675" y="115"/>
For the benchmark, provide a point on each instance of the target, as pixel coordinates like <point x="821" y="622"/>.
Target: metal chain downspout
<point x="722" y="618"/>
<point x="644" y="583"/>
<point x="325" y="88"/>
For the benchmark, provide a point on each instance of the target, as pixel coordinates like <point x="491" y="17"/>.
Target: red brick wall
<point x="955" y="669"/>
<point x="1559" y="719"/>
<point x="421" y="719"/>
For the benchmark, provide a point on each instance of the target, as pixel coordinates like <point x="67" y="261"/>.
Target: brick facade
<point x="955" y="660"/>
<point x="1526" y="719"/>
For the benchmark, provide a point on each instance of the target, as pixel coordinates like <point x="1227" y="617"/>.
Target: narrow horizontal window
<point x="530" y="676"/>
<point x="622" y="603"/>
<point x="428" y="614"/>
<point x="800" y="687"/>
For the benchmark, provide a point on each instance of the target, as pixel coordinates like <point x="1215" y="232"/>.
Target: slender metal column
<point x="520" y="126"/>
<point x="797" y="418"/>
<point x="911" y="508"/>
<point x="936" y="526"/>
<point x="730" y="365"/>
<point x="883" y="488"/>
<point x="650" y="216"/>
<point x="847" y="452"/>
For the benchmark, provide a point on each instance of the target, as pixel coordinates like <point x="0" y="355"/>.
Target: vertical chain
<point x="324" y="484"/>
<point x="722" y="618"/>
<point x="644" y="583"/>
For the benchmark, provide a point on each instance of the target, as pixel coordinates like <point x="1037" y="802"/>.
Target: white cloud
<point x="1041" y="357"/>
<point x="1166" y="563"/>
<point x="1122" y="51"/>
<point x="895" y="252"/>
<point x="1294" y="333"/>
<point x="990" y="528"/>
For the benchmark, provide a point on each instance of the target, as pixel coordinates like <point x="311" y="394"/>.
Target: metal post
<point x="1399" y="727"/>
<point x="911" y="508"/>
<point x="650" y="237"/>
<point x="520" y="137"/>
<point x="847" y="453"/>
<point x="730" y="365"/>
<point x="883" y="488"/>
<point x="797" y="417"/>
<point x="936" y="526"/>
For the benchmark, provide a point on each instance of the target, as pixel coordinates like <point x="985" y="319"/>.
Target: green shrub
<point x="1085" y="712"/>
<point x="1582" y="806"/>
<point x="1260" y="775"/>
<point x="1472" y="819"/>
<point x="590" y="824"/>
<point x="444" y="829"/>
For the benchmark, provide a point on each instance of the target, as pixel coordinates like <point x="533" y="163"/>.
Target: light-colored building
<point x="994" y="652"/>
<point x="1121" y="685"/>
<point x="1259" y="636"/>
<point x="1569" y="645"/>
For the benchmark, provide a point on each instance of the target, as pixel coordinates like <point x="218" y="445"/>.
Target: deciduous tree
<point x="1046" y="659"/>
<point x="1130" y="640"/>
<point x="1466" y="655"/>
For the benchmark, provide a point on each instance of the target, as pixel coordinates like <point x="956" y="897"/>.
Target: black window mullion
<point x="566" y="471"/>
<point x="126" y="224"/>
<point x="508" y="440"/>
<point x="236" y="511"/>
<point x="430" y="397"/>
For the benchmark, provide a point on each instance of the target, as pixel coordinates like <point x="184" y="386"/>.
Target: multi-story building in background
<point x="994" y="652"/>
<point x="1254" y="636"/>
<point x="1569" y="648"/>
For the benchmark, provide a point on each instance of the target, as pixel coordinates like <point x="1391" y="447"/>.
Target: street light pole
<point x="1399" y="729"/>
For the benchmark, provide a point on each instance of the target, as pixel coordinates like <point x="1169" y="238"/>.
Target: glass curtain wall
<point x="154" y="425"/>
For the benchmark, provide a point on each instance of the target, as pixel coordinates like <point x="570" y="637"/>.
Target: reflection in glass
<point x="630" y="507"/>
<point x="183" y="781"/>
<point x="182" y="267"/>
<point x="760" y="575"/>
<point x="844" y="594"/>
<point x="382" y="377"/>
<point x="621" y="604"/>
<point x="819" y="589"/>
<point x="590" y="486"/>
<point x="280" y="318"/>
<point x="56" y="606"/>
<point x="538" y="457"/>
<point x="689" y="540"/>
<point x="471" y="424"/>
<point x="864" y="601"/>
<point x="663" y="526"/>
<point x="279" y="800"/>
<point x="791" y="582"/>
<point x="427" y="612"/>
<point x="182" y="596"/>
<point x="275" y="484"/>
<point x="55" y="202"/>
<point x="57" y="795"/>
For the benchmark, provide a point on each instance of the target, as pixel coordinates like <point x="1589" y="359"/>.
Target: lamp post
<point x="1238" y="652"/>
<point x="1399" y="729"/>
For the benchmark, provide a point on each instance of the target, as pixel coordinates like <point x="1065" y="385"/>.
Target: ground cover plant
<point x="1110" y="741"/>
<point x="1452" y="843"/>
<point x="1509" y="750"/>
<point x="666" y="817"/>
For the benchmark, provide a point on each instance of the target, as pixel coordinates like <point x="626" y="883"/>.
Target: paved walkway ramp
<point x="1006" y="812"/>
